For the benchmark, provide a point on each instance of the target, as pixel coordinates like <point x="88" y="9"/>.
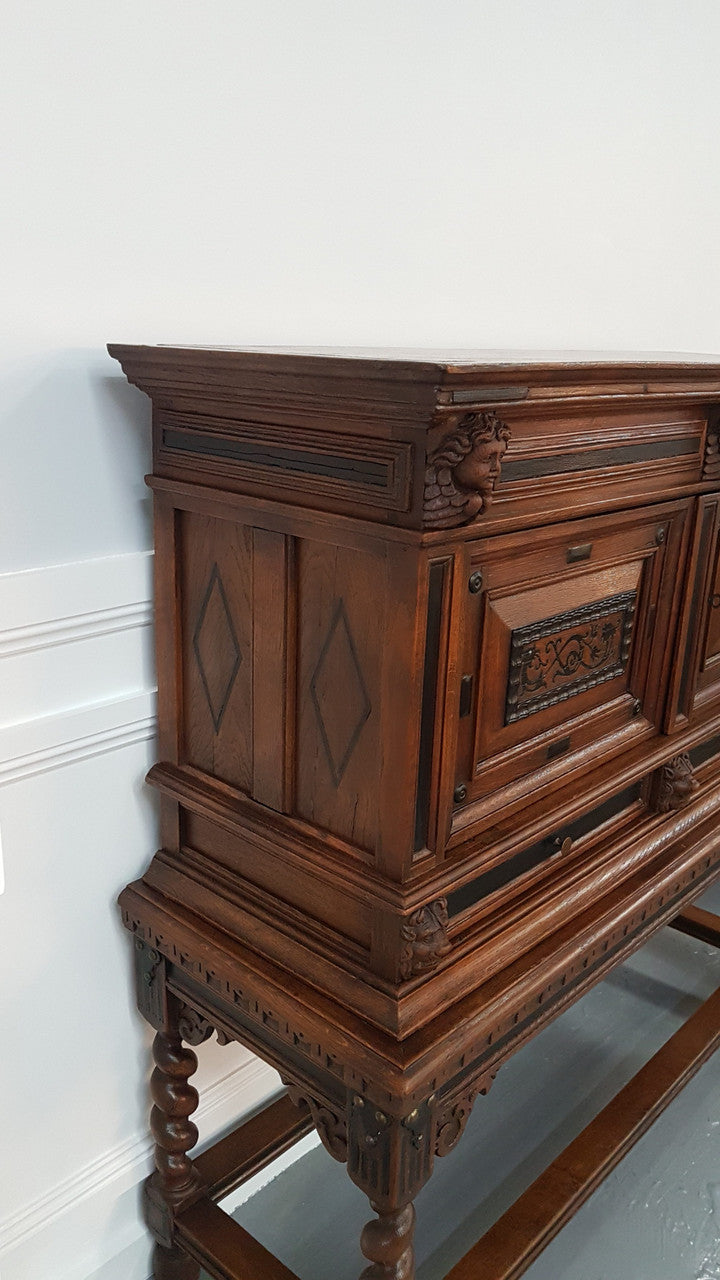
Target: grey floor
<point x="657" y="1217"/>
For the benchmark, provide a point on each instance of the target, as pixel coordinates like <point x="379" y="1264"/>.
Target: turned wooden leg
<point x="388" y="1242"/>
<point x="390" y="1157"/>
<point x="175" y="1180"/>
<point x="171" y="1264"/>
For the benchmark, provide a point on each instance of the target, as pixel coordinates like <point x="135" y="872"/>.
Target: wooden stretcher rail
<point x="515" y="1240"/>
<point x="251" y="1146"/>
<point x="698" y="924"/>
<point x="224" y="1248"/>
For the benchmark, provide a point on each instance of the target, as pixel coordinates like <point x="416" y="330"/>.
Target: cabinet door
<point x="698" y="672"/>
<point x="567" y="644"/>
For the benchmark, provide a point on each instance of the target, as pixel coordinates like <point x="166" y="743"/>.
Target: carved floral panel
<point x="567" y="654"/>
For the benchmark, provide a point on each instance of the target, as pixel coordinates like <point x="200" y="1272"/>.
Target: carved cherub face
<point x="480" y="468"/>
<point x="462" y="471"/>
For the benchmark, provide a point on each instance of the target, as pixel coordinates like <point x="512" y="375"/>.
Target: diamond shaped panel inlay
<point x="216" y="648"/>
<point x="339" y="694"/>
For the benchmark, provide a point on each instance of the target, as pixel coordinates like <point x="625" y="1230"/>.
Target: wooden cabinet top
<point x="453" y="374"/>
<point x="431" y="442"/>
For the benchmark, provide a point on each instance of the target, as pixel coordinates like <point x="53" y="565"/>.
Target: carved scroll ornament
<point x="567" y="654"/>
<point x="425" y="937"/>
<point x="452" y="1117"/>
<point x="331" y="1125"/>
<point x="461" y="473"/>
<point x="195" y="1028"/>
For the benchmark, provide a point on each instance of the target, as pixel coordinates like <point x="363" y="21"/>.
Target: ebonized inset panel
<point x="429" y="696"/>
<point x="342" y="468"/>
<point x="704" y="751"/>
<point x="346" y="467"/>
<point x="619" y="455"/>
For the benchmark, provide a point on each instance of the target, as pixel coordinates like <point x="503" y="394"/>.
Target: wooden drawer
<point x="556" y="465"/>
<point x="627" y="852"/>
<point x="567" y="640"/>
<point x="504" y="876"/>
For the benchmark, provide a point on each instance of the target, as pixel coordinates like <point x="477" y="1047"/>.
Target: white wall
<point x="473" y="172"/>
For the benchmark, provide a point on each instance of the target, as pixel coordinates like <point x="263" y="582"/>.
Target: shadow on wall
<point x="76" y="449"/>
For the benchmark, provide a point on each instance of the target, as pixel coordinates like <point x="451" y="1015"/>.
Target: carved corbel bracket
<point x="672" y="786"/>
<point x="195" y="1028"/>
<point x="425" y="939"/>
<point x="462" y="471"/>
<point x="453" y="1114"/>
<point x="330" y="1124"/>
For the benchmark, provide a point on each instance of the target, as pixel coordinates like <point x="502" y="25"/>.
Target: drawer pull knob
<point x="475" y="582"/>
<point x="660" y="536"/>
<point x="582" y="552"/>
<point x="563" y="846"/>
<point x="460" y="793"/>
<point x="714" y="601"/>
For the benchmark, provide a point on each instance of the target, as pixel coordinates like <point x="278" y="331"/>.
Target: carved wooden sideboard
<point x="439" y="743"/>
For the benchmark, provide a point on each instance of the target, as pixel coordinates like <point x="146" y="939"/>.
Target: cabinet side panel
<point x="342" y="600"/>
<point x="168" y="647"/>
<point x="274" y="667"/>
<point x="216" y="577"/>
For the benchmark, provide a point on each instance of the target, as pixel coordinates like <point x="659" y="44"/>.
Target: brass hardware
<point x="475" y="582"/>
<point x="466" y="686"/>
<point x="636" y="707"/>
<point x="563" y="846"/>
<point x="582" y="552"/>
<point x="660" y="536"/>
<point x="460" y="793"/>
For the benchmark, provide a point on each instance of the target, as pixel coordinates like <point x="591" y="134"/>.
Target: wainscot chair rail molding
<point x="438" y="644"/>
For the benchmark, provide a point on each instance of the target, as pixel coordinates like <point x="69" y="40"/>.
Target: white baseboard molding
<point x="74" y="634"/>
<point x="61" y="603"/>
<point x="49" y="742"/>
<point x="86" y="626"/>
<point x="90" y="1225"/>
